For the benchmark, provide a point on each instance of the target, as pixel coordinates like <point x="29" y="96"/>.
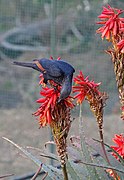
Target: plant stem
<point x="65" y="172"/>
<point x="102" y="143"/>
<point x="104" y="151"/>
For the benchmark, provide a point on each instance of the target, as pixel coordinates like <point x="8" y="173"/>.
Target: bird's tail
<point x="24" y="64"/>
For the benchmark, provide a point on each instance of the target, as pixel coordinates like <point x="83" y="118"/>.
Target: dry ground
<point x="22" y="128"/>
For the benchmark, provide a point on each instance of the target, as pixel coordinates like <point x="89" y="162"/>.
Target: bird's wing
<point x="51" y="67"/>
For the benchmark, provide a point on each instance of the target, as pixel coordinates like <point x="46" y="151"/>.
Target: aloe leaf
<point x="86" y="151"/>
<point x="72" y="171"/>
<point x="118" y="169"/>
<point x="49" y="155"/>
<point x="45" y="153"/>
<point x="120" y="158"/>
<point x="102" y="173"/>
<point x="6" y="176"/>
<point x="53" y="172"/>
<point x="74" y="154"/>
<point x="104" y="166"/>
<point x="113" y="161"/>
<point x="78" y="169"/>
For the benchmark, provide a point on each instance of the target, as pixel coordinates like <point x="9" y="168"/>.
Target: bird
<point x="59" y="71"/>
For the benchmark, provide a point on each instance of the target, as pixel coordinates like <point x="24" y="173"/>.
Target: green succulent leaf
<point x="120" y="158"/>
<point x="85" y="149"/>
<point x="95" y="144"/>
<point x="53" y="173"/>
<point x="72" y="170"/>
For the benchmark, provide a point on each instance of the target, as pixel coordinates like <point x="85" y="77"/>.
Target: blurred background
<point x="31" y="29"/>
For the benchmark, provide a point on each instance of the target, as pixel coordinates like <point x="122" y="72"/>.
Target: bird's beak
<point x="27" y="64"/>
<point x="59" y="100"/>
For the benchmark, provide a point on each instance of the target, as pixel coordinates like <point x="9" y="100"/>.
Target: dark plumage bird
<point x="57" y="70"/>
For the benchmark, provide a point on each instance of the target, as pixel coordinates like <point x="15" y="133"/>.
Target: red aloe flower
<point x="59" y="58"/>
<point x="41" y="82"/>
<point x="83" y="86"/>
<point x="119" y="148"/>
<point x="112" y="23"/>
<point x="51" y="58"/>
<point x="120" y="46"/>
<point x="48" y="102"/>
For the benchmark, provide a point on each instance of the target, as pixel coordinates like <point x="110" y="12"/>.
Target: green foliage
<point x="86" y="154"/>
<point x="72" y="171"/>
<point x="112" y="150"/>
<point x="53" y="173"/>
<point x="82" y="160"/>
